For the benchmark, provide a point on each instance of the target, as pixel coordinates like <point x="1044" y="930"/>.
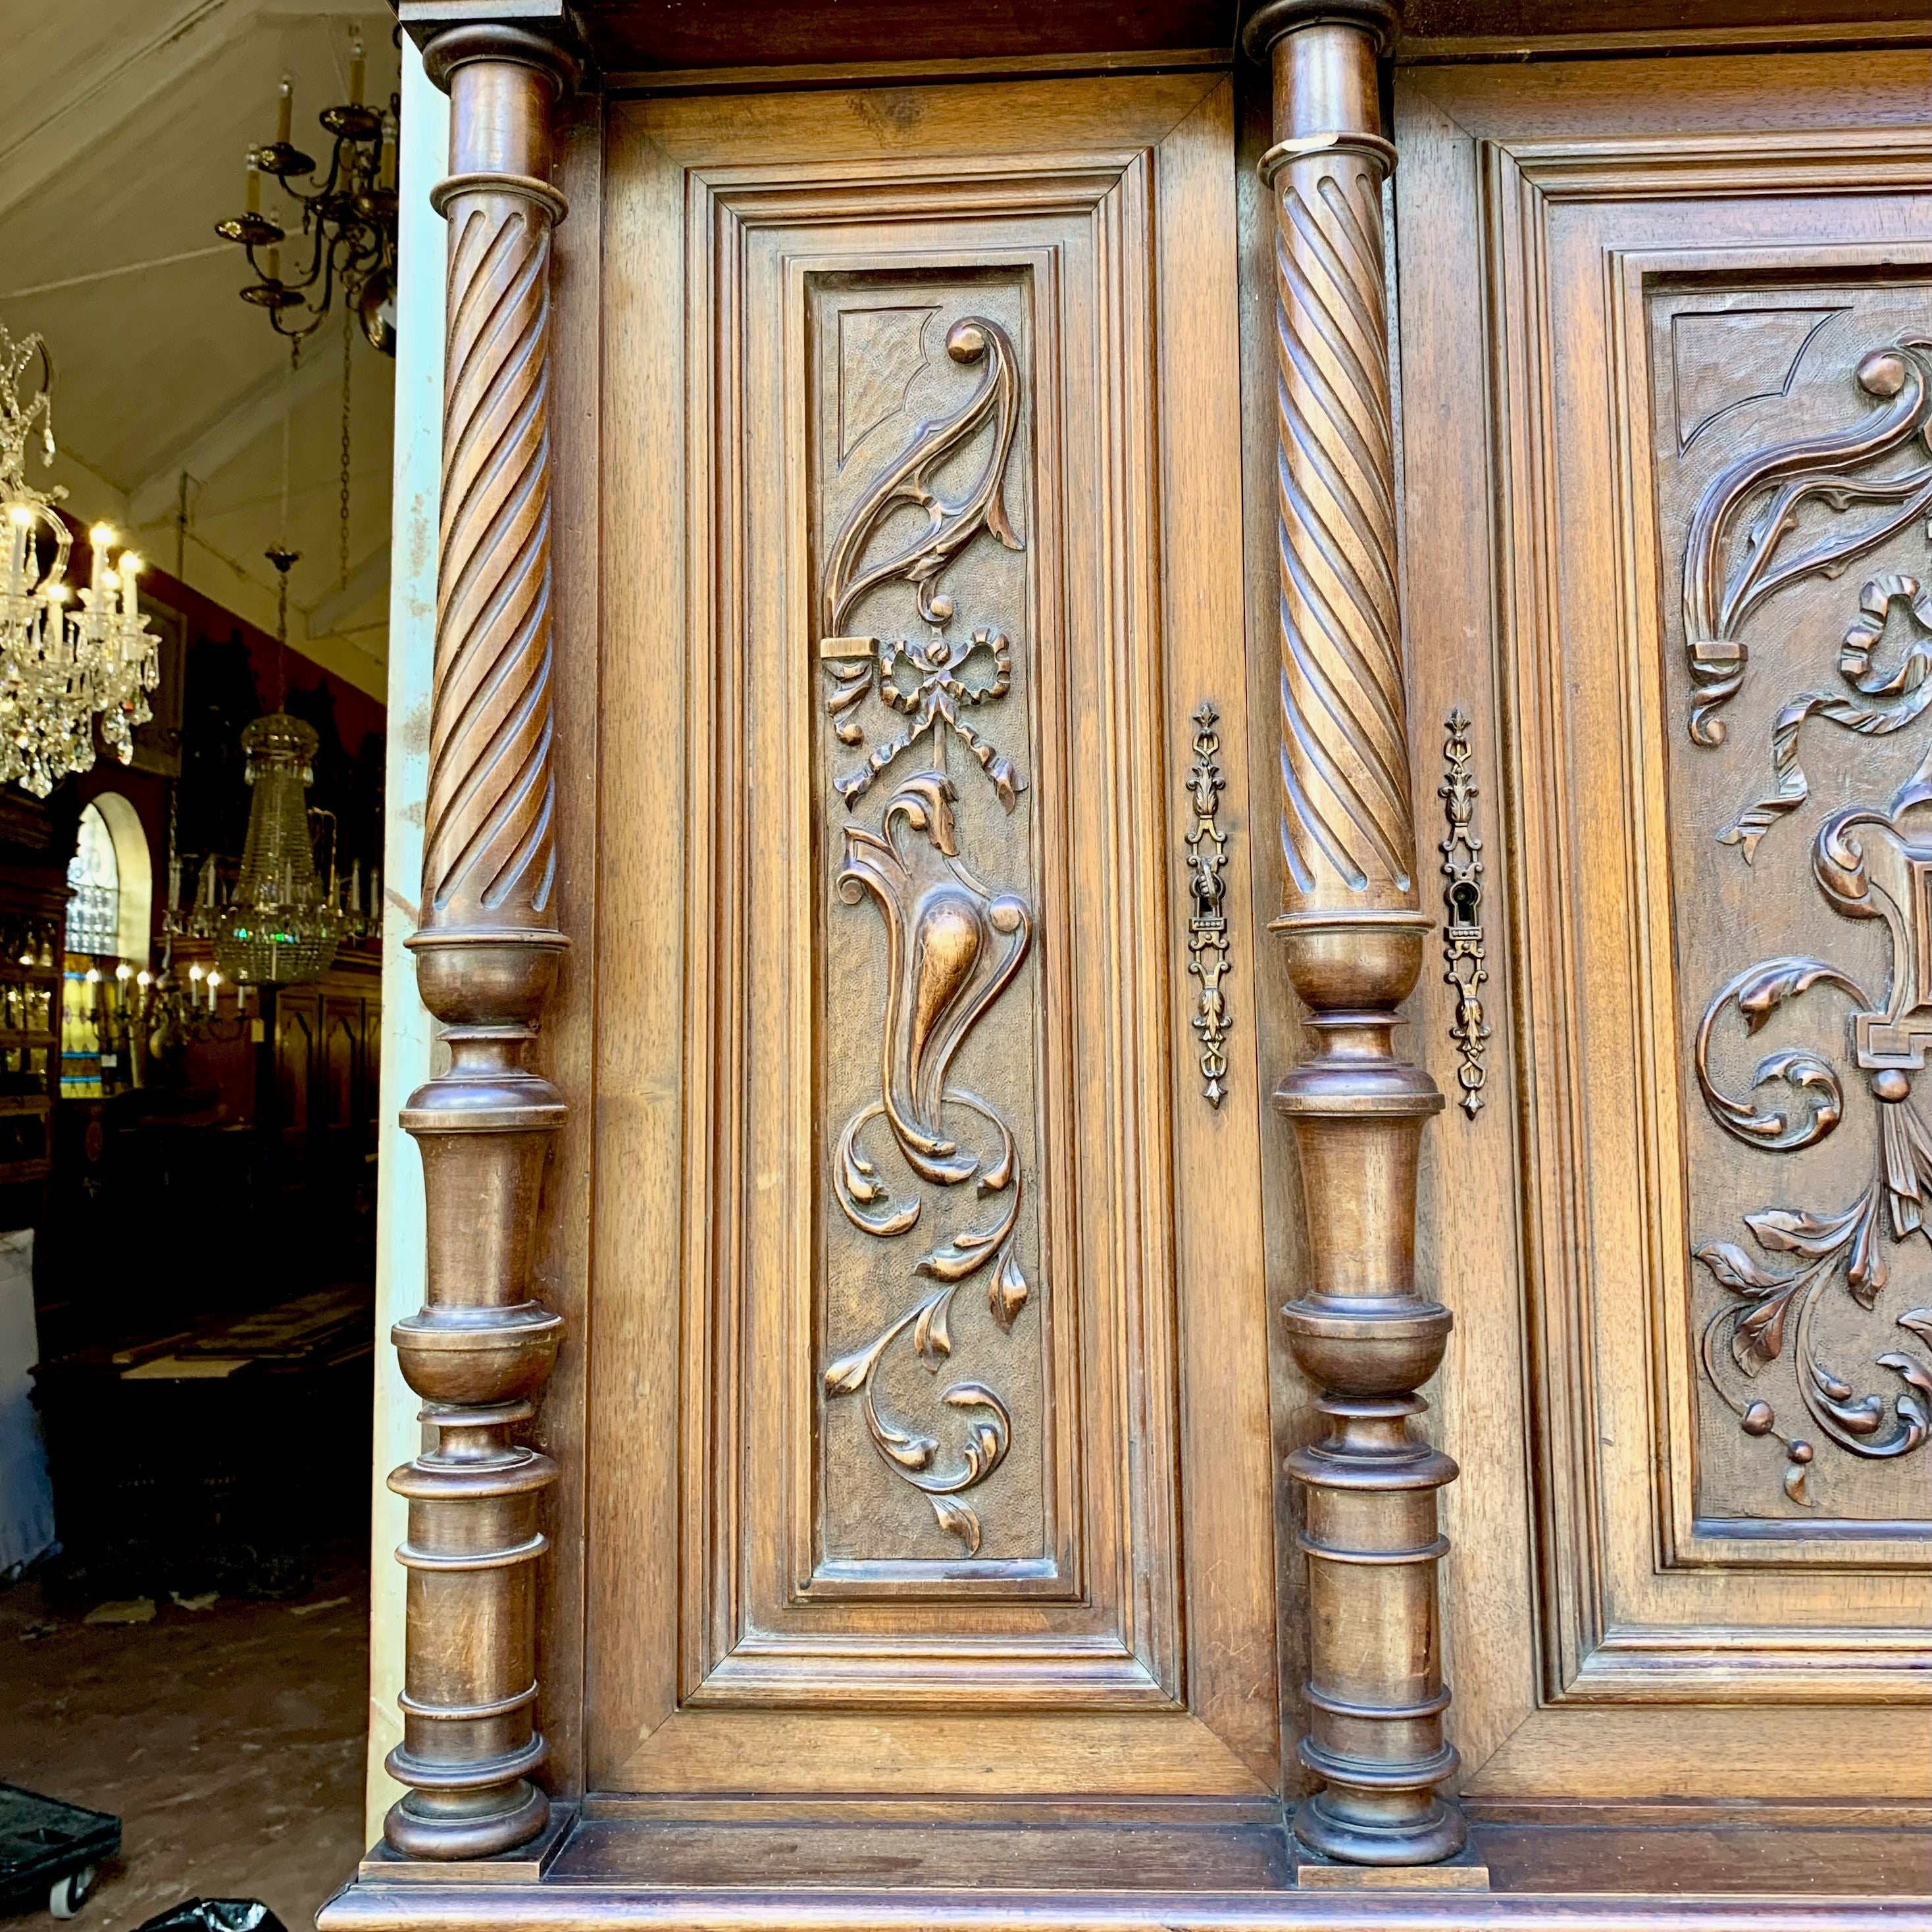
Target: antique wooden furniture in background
<point x="873" y="624"/>
<point x="153" y="1443"/>
<point x="33" y="905"/>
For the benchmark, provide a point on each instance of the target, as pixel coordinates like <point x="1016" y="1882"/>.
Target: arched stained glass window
<point x="93" y="888"/>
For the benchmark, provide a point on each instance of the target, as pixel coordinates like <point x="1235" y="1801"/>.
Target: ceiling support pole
<point x="1354" y="930"/>
<point x="487" y="953"/>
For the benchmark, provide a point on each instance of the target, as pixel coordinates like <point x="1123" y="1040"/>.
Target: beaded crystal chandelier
<point x="279" y="930"/>
<point x="60" y="668"/>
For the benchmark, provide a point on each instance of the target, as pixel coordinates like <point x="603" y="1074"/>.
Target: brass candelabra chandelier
<point x="348" y="226"/>
<point x="61" y="668"/>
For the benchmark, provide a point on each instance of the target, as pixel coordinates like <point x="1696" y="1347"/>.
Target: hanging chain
<point x="288" y="421"/>
<point x="342" y="528"/>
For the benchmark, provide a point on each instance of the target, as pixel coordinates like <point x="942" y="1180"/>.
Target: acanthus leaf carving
<point x="1750" y="537"/>
<point x="941" y="682"/>
<point x="1876" y="706"/>
<point x="1868" y="865"/>
<point x="1735" y="558"/>
<point x="953" y="944"/>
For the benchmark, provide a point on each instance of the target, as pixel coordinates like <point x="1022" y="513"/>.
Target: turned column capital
<point x="448" y="49"/>
<point x="1272" y="20"/>
<point x="505" y="78"/>
<point x="541" y="34"/>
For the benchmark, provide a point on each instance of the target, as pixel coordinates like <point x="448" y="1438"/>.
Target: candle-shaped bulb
<point x="93" y="976"/>
<point x="285" y="109"/>
<point x="254" y="181"/>
<point x="130" y="568"/>
<point x="124" y="972"/>
<point x="273" y="272"/>
<point x="358" y="68"/>
<point x="144" y="978"/>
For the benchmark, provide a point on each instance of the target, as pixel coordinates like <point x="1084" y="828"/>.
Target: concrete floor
<point x="229" y="1742"/>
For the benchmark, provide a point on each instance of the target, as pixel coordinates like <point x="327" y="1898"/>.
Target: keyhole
<point x="1463" y="899"/>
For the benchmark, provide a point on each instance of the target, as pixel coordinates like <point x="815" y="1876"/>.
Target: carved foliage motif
<point x="953" y="943"/>
<point x="1772" y="517"/>
<point x="1868" y="865"/>
<point x="927" y="683"/>
<point x="1741" y="552"/>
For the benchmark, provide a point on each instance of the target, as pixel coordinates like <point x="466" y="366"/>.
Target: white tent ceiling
<point x="124" y="125"/>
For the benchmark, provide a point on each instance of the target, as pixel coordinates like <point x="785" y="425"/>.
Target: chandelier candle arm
<point x="1354" y="930"/>
<point x="349" y="214"/>
<point x="487" y="953"/>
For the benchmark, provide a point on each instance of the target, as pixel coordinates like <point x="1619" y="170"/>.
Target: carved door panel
<point x="927" y="1412"/>
<point x="1701" y="743"/>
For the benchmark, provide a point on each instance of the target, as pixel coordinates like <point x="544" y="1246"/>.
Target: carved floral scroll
<point x="1867" y="865"/>
<point x="953" y="944"/>
<point x="1775" y="1349"/>
<point x="1741" y="551"/>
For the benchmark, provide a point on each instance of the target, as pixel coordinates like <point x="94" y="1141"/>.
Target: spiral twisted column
<point x="487" y="950"/>
<point x="1354" y="931"/>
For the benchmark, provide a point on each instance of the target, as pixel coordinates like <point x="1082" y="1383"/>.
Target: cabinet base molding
<point x="737" y="1865"/>
<point x="588" y="1908"/>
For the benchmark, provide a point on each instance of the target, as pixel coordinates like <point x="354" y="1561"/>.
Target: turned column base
<point x="1439" y="1834"/>
<point x="421" y="1826"/>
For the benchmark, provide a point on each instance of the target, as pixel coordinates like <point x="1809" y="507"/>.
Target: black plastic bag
<point x="215" y="1915"/>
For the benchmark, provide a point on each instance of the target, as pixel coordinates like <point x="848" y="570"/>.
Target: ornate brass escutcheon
<point x="1208" y="918"/>
<point x="1464" y="965"/>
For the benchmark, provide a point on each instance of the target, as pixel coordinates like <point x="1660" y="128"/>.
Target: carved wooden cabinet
<point x="1050" y="633"/>
<point x="936" y="1326"/>
<point x="1709" y="488"/>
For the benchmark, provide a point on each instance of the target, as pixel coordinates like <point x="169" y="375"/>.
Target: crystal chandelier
<point x="348" y="218"/>
<point x="60" y="668"/>
<point x="280" y="929"/>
